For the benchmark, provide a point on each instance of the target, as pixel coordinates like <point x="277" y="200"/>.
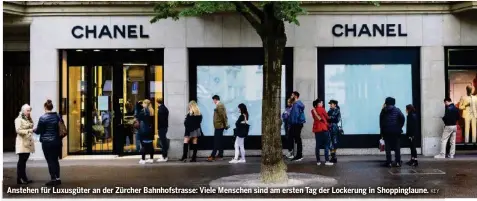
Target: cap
<point x="333" y="102"/>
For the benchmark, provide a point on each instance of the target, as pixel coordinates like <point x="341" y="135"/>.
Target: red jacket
<point x="319" y="125"/>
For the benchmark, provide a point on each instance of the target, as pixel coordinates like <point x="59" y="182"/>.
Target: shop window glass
<point x="362" y="89"/>
<point x="459" y="81"/>
<point x="234" y="85"/>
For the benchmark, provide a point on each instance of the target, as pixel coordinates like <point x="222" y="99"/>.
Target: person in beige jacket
<point x="468" y="105"/>
<point x="24" y="144"/>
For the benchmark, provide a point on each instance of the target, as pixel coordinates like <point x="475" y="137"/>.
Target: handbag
<point x="381" y="145"/>
<point x="62" y="131"/>
<point x="340" y="128"/>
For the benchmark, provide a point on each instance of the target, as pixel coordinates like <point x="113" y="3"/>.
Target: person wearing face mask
<point x="24" y="144"/>
<point x="241" y="131"/>
<point x="334" y="115"/>
<point x="50" y="140"/>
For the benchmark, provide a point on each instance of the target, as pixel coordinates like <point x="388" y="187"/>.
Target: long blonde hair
<point x="194" y="108"/>
<point x="149" y="107"/>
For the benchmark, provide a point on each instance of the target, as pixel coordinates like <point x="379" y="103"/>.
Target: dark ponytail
<point x="48" y="105"/>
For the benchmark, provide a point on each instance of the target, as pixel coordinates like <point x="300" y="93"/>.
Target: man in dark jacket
<point x="450" y="119"/>
<point x="163" y="125"/>
<point x="391" y="121"/>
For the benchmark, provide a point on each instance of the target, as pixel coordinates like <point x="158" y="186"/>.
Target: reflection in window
<point x="234" y="85"/>
<point x="362" y="89"/>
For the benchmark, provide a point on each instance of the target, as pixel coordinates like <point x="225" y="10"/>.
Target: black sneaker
<point x="409" y="162"/>
<point x="53" y="183"/>
<point x="398" y="164"/>
<point x="296" y="159"/>
<point x="334" y="160"/>
<point x="414" y="163"/>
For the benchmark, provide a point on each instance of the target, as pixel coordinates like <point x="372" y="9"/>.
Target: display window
<point x="461" y="84"/>
<point x="360" y="79"/>
<point x="236" y="76"/>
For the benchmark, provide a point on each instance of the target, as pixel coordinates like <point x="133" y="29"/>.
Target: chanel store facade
<point x="95" y="68"/>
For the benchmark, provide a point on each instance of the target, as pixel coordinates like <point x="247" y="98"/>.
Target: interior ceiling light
<point x="150" y="50"/>
<point x="79" y="50"/>
<point x="132" y="50"/>
<point x="96" y="50"/>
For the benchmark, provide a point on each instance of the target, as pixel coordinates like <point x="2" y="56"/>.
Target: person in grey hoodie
<point x="296" y="121"/>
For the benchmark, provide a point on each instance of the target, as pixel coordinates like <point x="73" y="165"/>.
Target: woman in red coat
<point x="320" y="128"/>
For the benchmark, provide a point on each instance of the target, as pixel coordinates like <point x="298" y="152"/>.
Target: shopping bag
<point x="381" y="145"/>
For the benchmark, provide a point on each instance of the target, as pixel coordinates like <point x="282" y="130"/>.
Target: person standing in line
<point x="391" y="121"/>
<point x="146" y="119"/>
<point x="296" y="121"/>
<point x="334" y="115"/>
<point x="163" y="124"/>
<point x="48" y="129"/>
<point x="137" y="110"/>
<point x="286" y="114"/>
<point x="192" y="131"/>
<point x="220" y="124"/>
<point x="320" y="128"/>
<point x="24" y="144"/>
<point x="241" y="131"/>
<point x="451" y="116"/>
<point x="411" y="131"/>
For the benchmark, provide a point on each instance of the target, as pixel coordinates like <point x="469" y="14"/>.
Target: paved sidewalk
<point x="453" y="178"/>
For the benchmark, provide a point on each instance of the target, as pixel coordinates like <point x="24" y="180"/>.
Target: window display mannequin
<point x="468" y="105"/>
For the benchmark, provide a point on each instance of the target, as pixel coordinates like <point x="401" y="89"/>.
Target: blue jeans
<point x="218" y="135"/>
<point x="138" y="143"/>
<point x="322" y="141"/>
<point x="163" y="138"/>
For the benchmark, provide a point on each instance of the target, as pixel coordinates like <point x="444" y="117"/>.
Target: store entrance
<point x="103" y="95"/>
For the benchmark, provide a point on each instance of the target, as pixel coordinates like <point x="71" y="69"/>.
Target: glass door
<point x="102" y="113"/>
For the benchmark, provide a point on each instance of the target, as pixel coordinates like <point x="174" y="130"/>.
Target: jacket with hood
<point x="391" y="119"/>
<point x="297" y="113"/>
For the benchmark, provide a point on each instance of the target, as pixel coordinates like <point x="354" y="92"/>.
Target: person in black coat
<point x="192" y="131"/>
<point x="391" y="121"/>
<point x="411" y="131"/>
<point x="50" y="140"/>
<point x="145" y="131"/>
<point x="163" y="125"/>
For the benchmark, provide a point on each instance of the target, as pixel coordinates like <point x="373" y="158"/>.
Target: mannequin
<point x="468" y="105"/>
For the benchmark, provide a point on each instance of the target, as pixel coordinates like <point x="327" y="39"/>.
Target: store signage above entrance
<point x="373" y="30"/>
<point x="105" y="31"/>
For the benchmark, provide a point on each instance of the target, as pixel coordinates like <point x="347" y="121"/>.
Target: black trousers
<point x="295" y="130"/>
<point x="147" y="148"/>
<point x="392" y="143"/>
<point x="413" y="147"/>
<point x="163" y="138"/>
<point x="21" y="166"/>
<point x="290" y="141"/>
<point x="218" y="135"/>
<point x="52" y="151"/>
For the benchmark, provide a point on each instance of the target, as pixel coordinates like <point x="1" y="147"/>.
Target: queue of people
<point x="327" y="127"/>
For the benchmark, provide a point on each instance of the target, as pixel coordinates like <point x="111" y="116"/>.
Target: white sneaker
<point x="142" y="162"/>
<point x="150" y="161"/>
<point x="290" y="155"/>
<point x="451" y="156"/>
<point x="328" y="163"/>
<point x="162" y="159"/>
<point x="234" y="161"/>
<point x="440" y="156"/>
<point x="318" y="163"/>
<point x="241" y="161"/>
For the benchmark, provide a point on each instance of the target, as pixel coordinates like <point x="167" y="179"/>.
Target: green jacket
<point x="220" y="116"/>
